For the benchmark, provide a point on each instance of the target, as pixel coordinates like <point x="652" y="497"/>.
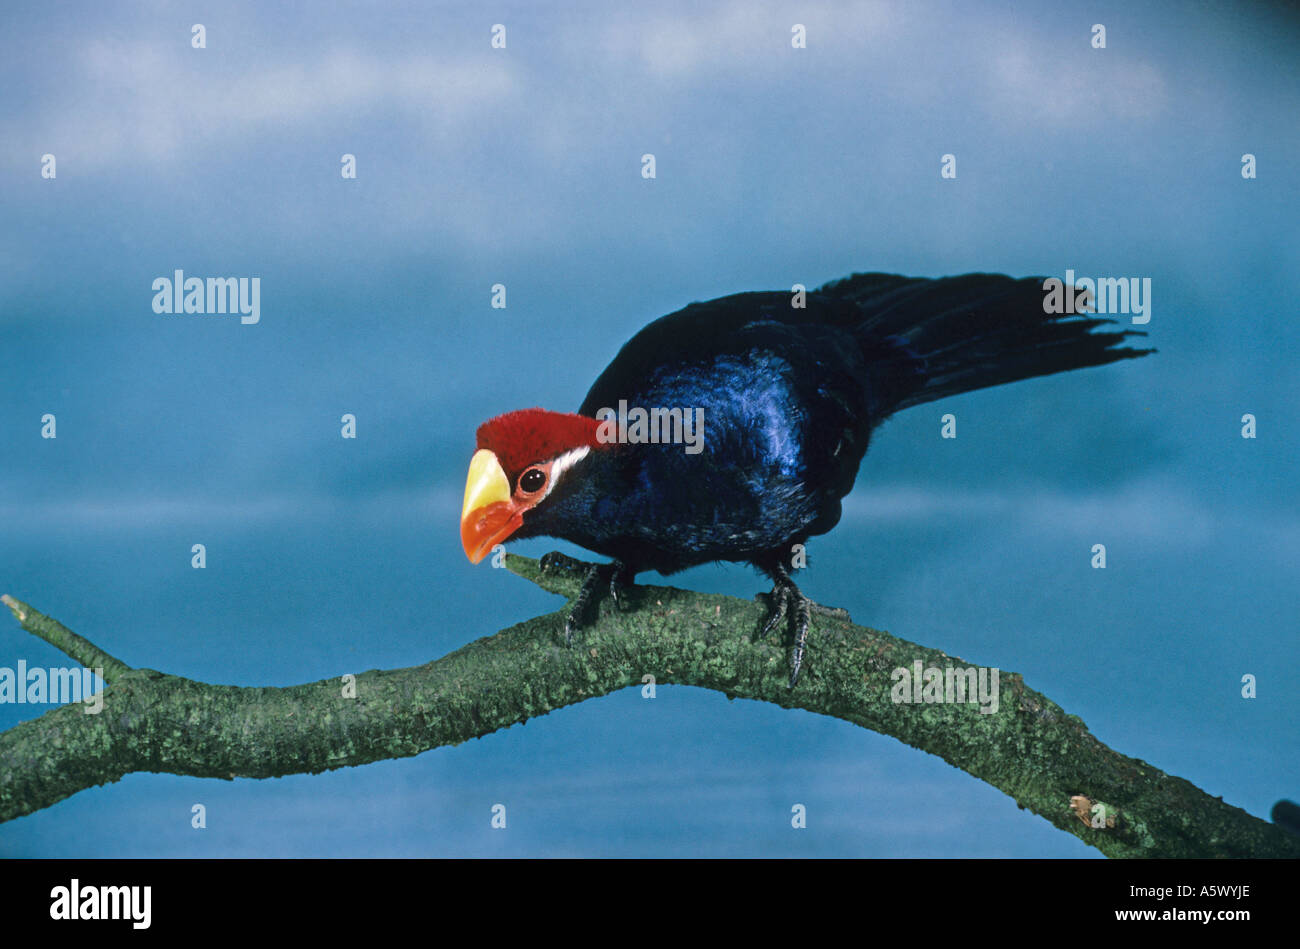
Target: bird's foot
<point x="556" y="562"/>
<point x="620" y="582"/>
<point x="787" y="600"/>
<point x="617" y="574"/>
<point x="577" y="615"/>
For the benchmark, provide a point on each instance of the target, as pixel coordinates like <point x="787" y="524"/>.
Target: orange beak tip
<point x="483" y="528"/>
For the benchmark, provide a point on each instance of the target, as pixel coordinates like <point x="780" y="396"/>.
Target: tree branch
<point x="1030" y="748"/>
<point x="65" y="640"/>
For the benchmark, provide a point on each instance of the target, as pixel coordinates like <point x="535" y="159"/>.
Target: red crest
<point x="527" y="436"/>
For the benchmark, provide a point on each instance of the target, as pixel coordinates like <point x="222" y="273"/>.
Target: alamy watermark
<point x="77" y="901"/>
<point x="181" y="294"/>
<point x="952" y="684"/>
<point x="55" y="686"/>
<point x="638" y="426"/>
<point x="1102" y="295"/>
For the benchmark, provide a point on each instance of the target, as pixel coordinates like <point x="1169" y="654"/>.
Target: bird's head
<point x="521" y="458"/>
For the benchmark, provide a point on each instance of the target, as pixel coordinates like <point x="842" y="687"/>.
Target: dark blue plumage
<point x="790" y="398"/>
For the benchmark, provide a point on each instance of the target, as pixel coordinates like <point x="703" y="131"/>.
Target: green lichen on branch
<point x="1030" y="748"/>
<point x="65" y="640"/>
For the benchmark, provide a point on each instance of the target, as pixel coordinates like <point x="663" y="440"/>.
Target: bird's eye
<point x="532" y="481"/>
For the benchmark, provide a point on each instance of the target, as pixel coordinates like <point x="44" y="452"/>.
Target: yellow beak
<point x="488" y="515"/>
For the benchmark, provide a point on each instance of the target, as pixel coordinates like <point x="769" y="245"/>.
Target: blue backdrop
<point x="522" y="166"/>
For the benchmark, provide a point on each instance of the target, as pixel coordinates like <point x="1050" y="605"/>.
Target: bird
<point x="766" y="402"/>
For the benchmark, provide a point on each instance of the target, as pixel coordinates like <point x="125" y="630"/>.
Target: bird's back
<point x="786" y="408"/>
<point x="790" y="396"/>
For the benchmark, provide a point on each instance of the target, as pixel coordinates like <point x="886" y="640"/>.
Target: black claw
<point x="555" y="562"/>
<point x="589" y="593"/>
<point x="619" y="581"/>
<point x="803" y="617"/>
<point x="784" y="595"/>
<point x="776" y="611"/>
<point x="573" y="622"/>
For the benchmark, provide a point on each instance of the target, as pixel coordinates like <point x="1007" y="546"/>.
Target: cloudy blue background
<point x="522" y="166"/>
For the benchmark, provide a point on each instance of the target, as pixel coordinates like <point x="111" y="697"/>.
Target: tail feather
<point x="935" y="338"/>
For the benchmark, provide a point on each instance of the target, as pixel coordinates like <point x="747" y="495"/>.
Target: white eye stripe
<point x="562" y="464"/>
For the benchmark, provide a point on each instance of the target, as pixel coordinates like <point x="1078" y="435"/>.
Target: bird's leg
<point x="573" y="622"/>
<point x="784" y="595"/>
<point x="620" y="579"/>
<point x="618" y="575"/>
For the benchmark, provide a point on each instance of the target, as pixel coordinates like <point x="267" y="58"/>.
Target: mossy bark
<point x="1030" y="748"/>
